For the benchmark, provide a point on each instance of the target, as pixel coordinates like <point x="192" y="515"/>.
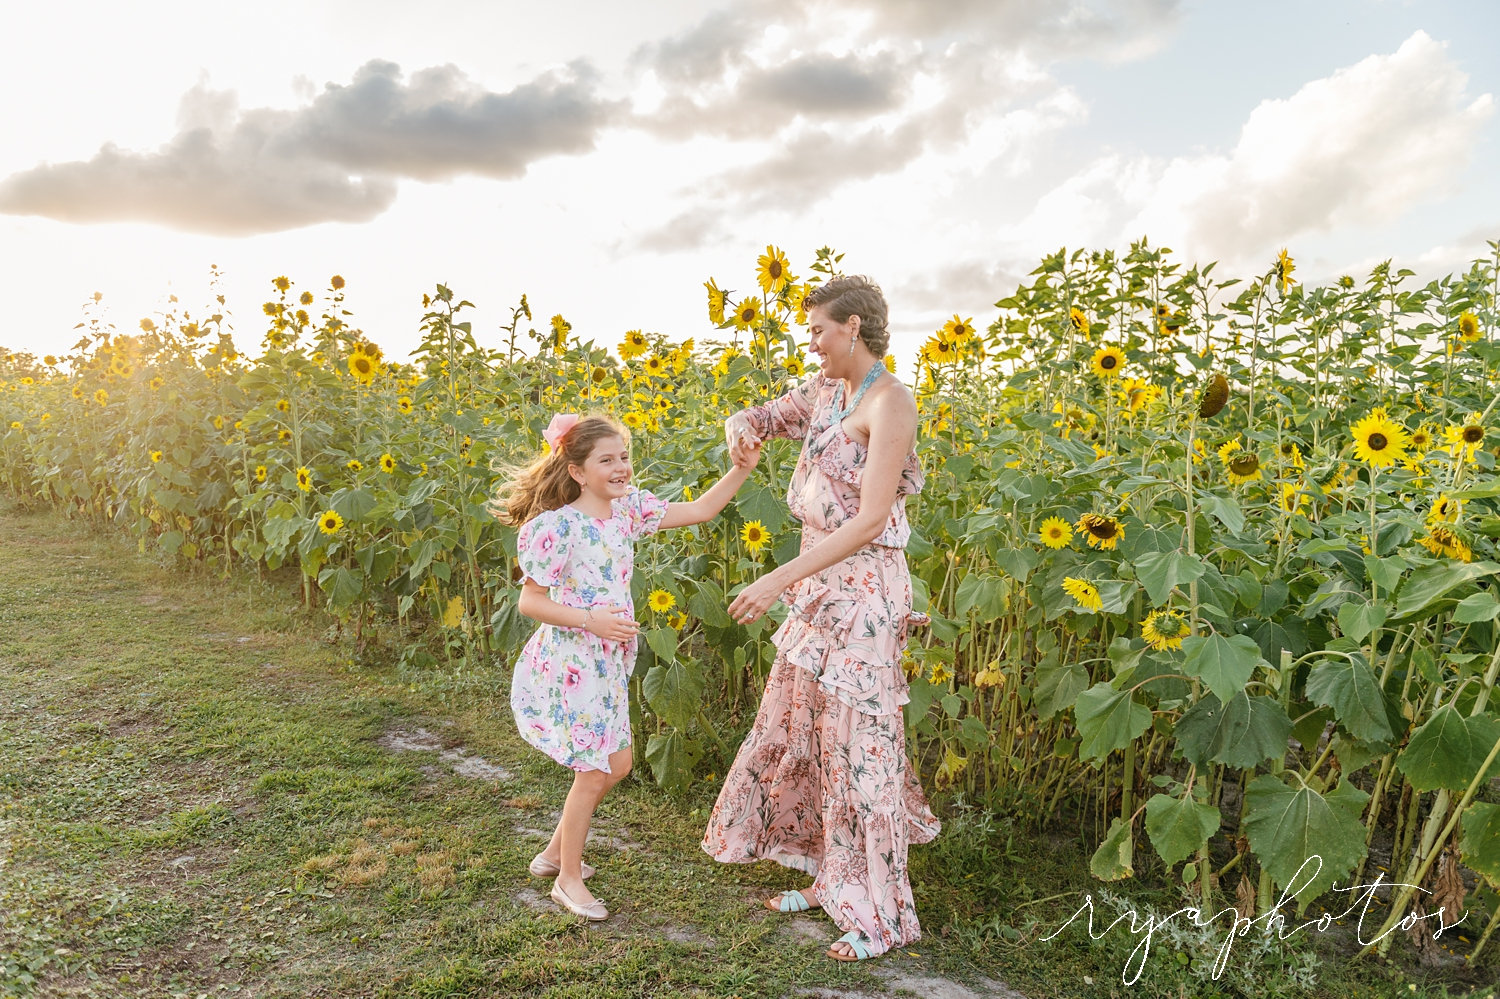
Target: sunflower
<point x="329" y="522"/>
<point x="1107" y="362"/>
<point x="1465" y="438"/>
<point x="940" y="351"/>
<point x="661" y="404"/>
<point x="795" y="297"/>
<point x="363" y="367"/>
<point x="354" y="465"/>
<point x="1446" y="510"/>
<point x="1079" y="320"/>
<point x="717" y="297"/>
<point x="1283" y="270"/>
<point x="1103" y="532"/>
<point x="1292" y="498"/>
<point x="1379" y="440"/>
<point x="155" y="455"/>
<point x="1468" y="327"/>
<point x="958" y="330"/>
<point x="1136" y="394"/>
<point x="260" y="473"/>
<point x="304" y="480"/>
<point x="50" y="360"/>
<point x="1164" y="630"/>
<point x="1055" y="532"/>
<point x="387" y="463"/>
<point x="634" y="345"/>
<point x="1084" y="592"/>
<point x="677" y="620"/>
<point x="1442" y="540"/>
<point x="283" y="405"/>
<point x="281" y="283"/>
<point x="656" y="366"/>
<point x="1214" y="397"/>
<point x="991" y="676"/>
<point x="1421" y="439"/>
<point x="755" y="536"/>
<point x="794" y="366"/>
<point x="661" y="601"/>
<point x="771" y="270"/>
<point x="746" y="313"/>
<point x="156" y="383"/>
<point x="404" y="404"/>
<point x="890" y="363"/>
<point x="101" y="397"/>
<point x="560" y="330"/>
<point x="1244" y="467"/>
<point x="283" y="434"/>
<point x="634" y="419"/>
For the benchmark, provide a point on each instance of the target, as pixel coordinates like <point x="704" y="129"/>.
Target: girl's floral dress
<point x="569" y="690"/>
<point x="821" y="783"/>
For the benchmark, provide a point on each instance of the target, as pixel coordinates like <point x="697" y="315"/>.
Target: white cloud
<point x="1367" y="143"/>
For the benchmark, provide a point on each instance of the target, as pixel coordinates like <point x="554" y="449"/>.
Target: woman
<point x="821" y="782"/>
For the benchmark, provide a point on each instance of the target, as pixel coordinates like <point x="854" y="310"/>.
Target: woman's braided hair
<point x="855" y="295"/>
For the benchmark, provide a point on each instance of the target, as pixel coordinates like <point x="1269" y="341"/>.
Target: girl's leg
<point x="589" y="788"/>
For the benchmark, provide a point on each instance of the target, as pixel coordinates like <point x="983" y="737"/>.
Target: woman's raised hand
<point x="609" y="624"/>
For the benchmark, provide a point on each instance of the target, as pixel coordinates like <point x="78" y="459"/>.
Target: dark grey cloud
<point x="336" y="159"/>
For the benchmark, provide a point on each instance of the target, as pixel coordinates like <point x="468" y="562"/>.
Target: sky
<point x="607" y="158"/>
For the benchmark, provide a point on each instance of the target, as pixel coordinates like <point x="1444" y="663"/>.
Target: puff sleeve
<point x="788" y="416"/>
<point x="643" y="512"/>
<point x="542" y="548"/>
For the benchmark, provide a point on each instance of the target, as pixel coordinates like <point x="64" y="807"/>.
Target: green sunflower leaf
<point x="1224" y="664"/>
<point x="1241" y="733"/>
<point x="1351" y="688"/>
<point x="1112" y="861"/>
<point x="1107" y="720"/>
<point x="1427" y="586"/>
<point x="1178" y="827"/>
<point x="1300" y="834"/>
<point x="1480" y="844"/>
<point x="1447" y="751"/>
<point x="1159" y="572"/>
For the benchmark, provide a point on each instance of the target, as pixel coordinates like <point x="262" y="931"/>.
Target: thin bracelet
<point x="587" y="611"/>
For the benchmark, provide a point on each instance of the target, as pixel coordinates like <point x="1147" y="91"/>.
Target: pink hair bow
<point x="558" y="428"/>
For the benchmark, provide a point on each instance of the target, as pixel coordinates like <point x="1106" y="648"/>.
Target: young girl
<point x="579" y="517"/>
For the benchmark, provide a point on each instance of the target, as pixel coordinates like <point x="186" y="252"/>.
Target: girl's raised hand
<point x="609" y="624"/>
<point x="744" y="442"/>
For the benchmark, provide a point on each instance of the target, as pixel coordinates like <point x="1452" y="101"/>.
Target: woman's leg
<point x="589" y="788"/>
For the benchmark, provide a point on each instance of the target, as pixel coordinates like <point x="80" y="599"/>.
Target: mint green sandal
<point x="857" y="942"/>
<point x="791" y="901"/>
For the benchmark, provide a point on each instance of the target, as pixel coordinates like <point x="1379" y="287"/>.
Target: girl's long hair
<point x="545" y="483"/>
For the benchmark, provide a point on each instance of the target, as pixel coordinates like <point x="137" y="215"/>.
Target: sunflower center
<point x="775" y="269"/>
<point x="1378" y="442"/>
<point x="1244" y="464"/>
<point x="1107" y="361"/>
<point x="1103" y="530"/>
<point x="1473" y="435"/>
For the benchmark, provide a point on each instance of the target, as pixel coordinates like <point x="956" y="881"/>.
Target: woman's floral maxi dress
<point x="821" y="782"/>
<point x="569" y="691"/>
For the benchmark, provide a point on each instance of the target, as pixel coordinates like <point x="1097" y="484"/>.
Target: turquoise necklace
<point x="870" y="376"/>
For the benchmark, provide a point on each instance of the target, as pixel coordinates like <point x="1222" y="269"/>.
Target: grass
<point x="194" y="800"/>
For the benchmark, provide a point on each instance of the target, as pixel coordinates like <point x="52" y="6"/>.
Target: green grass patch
<point x="193" y="799"/>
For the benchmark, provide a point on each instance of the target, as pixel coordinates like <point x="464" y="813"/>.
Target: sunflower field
<point x="1210" y="564"/>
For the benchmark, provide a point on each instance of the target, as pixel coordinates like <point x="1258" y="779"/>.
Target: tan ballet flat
<point x="593" y="912"/>
<point x="541" y="867"/>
